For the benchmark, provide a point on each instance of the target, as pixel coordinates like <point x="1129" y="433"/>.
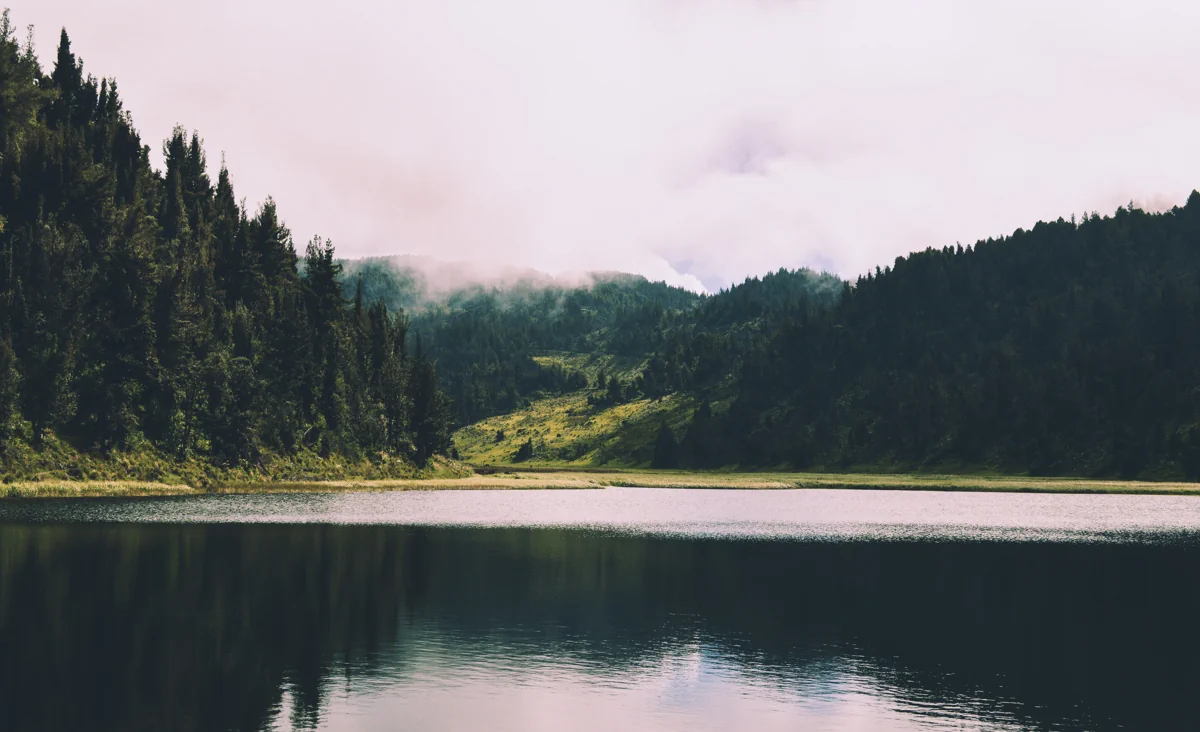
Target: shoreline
<point x="502" y="478"/>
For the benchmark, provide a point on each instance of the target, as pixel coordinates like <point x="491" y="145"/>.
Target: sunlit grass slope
<point x="518" y="478"/>
<point x="91" y="489"/>
<point x="566" y="431"/>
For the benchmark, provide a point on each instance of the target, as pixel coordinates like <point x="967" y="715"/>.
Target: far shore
<point x="516" y="478"/>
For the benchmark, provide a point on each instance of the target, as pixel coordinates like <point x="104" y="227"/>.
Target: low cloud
<point x="696" y="141"/>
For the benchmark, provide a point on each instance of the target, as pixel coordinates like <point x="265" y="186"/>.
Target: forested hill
<point x="503" y="339"/>
<point x="145" y="310"/>
<point x="1069" y="348"/>
<point x="142" y="309"/>
<point x="486" y="332"/>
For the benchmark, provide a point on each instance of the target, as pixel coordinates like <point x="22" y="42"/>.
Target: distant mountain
<point x="486" y="329"/>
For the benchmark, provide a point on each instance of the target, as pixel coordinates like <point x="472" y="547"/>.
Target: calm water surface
<point x="622" y="609"/>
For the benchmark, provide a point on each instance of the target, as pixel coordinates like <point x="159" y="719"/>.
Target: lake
<point x="617" y="609"/>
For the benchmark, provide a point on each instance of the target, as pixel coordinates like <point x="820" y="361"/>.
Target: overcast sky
<point x="696" y="141"/>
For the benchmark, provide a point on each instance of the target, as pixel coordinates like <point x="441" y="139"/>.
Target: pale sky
<point x="696" y="141"/>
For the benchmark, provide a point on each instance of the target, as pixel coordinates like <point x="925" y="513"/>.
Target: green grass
<point x="567" y="432"/>
<point x="506" y="481"/>
<point x="512" y="478"/>
<point x="614" y="446"/>
<point x="641" y="478"/>
<point x="56" y="460"/>
<point x="91" y="488"/>
<point x="592" y="363"/>
<point x="576" y="446"/>
<point x="133" y="488"/>
<point x="878" y="481"/>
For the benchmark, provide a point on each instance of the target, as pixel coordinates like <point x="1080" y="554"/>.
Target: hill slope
<point x="149" y="312"/>
<point x="490" y="332"/>
<point x="1071" y="348"/>
<point x="1068" y="349"/>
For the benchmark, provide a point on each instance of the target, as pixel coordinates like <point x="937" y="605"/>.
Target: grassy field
<point x="873" y="481"/>
<point x="610" y="447"/>
<point x="91" y="489"/>
<point x="491" y="482"/>
<point x="134" y="488"/>
<point x="534" y="479"/>
<point x="565" y="431"/>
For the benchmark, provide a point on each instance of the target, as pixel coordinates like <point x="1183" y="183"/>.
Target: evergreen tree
<point x="666" y="450"/>
<point x="138" y="305"/>
<point x="430" y="412"/>
<point x="10" y="380"/>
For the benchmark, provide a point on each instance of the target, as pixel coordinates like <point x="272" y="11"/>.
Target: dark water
<point x="623" y="609"/>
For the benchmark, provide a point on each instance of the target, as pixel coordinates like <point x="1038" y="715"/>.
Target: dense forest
<point x="149" y="309"/>
<point x="1070" y="348"/>
<point x="1067" y="349"/>
<point x="485" y="337"/>
<point x="142" y="309"/>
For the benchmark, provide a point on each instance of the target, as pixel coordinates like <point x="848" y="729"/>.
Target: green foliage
<point x="487" y="340"/>
<point x="566" y="430"/>
<point x="490" y="342"/>
<point x="149" y="311"/>
<point x="1067" y="349"/>
<point x="9" y="392"/>
<point x="666" y="449"/>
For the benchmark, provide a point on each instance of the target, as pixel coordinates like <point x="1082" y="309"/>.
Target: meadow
<point x="506" y="478"/>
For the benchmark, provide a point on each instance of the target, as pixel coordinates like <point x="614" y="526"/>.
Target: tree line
<point x="1070" y="348"/>
<point x="145" y="307"/>
<point x="485" y="338"/>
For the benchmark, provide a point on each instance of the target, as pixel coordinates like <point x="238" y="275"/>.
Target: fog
<point x="694" y="141"/>
<point x="419" y="281"/>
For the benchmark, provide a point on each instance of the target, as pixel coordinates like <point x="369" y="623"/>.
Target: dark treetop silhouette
<point x="150" y="308"/>
<point x="139" y="306"/>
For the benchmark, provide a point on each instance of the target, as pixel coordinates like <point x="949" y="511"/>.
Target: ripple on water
<point x="807" y="515"/>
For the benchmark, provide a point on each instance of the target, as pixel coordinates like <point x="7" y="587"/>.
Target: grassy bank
<point x="91" y="489"/>
<point x="859" y="481"/>
<point x="57" y="468"/>
<point x="544" y="479"/>
<point x="504" y="481"/>
<point x="865" y="481"/>
<point x="134" y="488"/>
<point x="566" y="431"/>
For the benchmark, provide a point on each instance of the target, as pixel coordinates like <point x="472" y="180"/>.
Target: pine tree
<point x="144" y="306"/>
<point x="68" y="80"/>
<point x="10" y="380"/>
<point x="666" y="450"/>
<point x="430" y="412"/>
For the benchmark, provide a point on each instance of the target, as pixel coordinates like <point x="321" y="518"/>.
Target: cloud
<point x="696" y="141"/>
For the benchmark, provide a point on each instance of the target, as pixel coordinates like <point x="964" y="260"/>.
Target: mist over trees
<point x="485" y="337"/>
<point x="152" y="308"/>
<point x="145" y="307"/>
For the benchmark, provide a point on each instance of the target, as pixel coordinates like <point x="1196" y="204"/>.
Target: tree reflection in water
<point x="152" y="627"/>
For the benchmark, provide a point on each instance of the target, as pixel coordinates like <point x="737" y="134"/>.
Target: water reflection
<point x="244" y="627"/>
